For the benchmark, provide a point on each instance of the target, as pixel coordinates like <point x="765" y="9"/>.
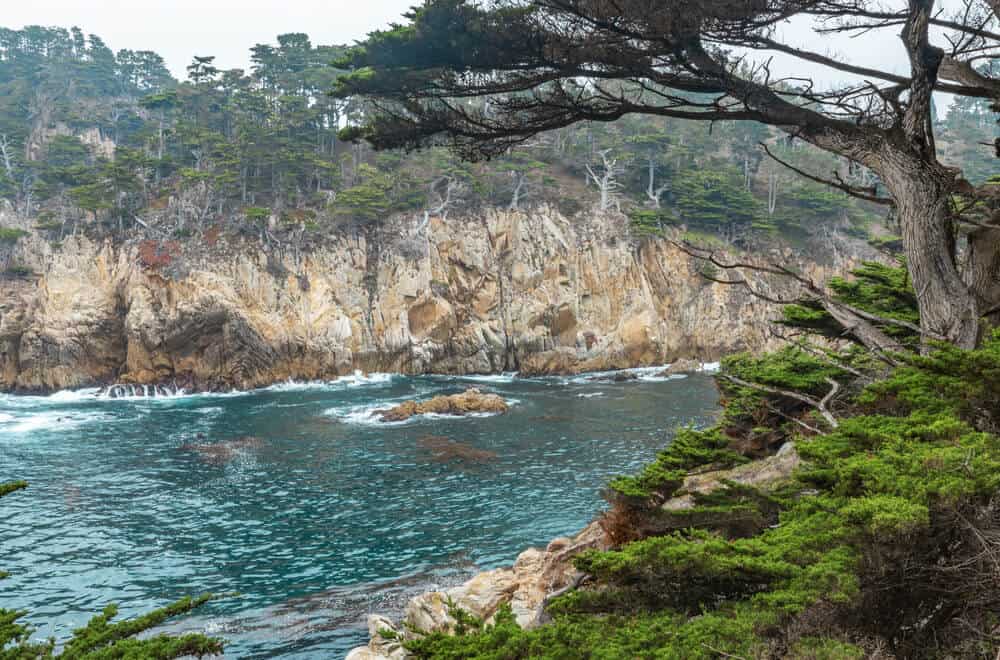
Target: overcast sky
<point x="181" y="29"/>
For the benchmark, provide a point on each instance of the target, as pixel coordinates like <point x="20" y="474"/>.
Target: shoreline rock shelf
<point x="538" y="575"/>
<point x="469" y="402"/>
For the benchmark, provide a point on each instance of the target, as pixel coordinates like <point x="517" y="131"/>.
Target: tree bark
<point x="923" y="196"/>
<point x="983" y="272"/>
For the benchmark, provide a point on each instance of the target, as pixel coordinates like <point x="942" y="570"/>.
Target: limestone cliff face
<point x="531" y="291"/>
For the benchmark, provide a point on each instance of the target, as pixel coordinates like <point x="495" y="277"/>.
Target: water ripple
<point x="315" y="521"/>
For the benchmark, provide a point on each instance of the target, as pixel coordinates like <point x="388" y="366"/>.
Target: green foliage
<point x="884" y="291"/>
<point x="646" y="221"/>
<point x="949" y="381"/>
<point x="369" y="200"/>
<point x="18" y="270"/>
<point x="12" y="486"/>
<point x="268" y="138"/>
<point x="890" y="244"/>
<point x="819" y="648"/>
<point x="876" y="532"/>
<point x="716" y="201"/>
<point x="690" y="448"/>
<point x="101" y="638"/>
<point x="760" y="417"/>
<point x="9" y="235"/>
<point x="967" y="134"/>
<point x="788" y="368"/>
<point x="256" y="214"/>
<point x="664" y="634"/>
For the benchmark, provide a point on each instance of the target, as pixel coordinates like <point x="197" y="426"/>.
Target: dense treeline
<point x="101" y="141"/>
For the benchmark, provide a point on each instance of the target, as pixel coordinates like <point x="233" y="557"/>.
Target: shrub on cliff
<point x="102" y="638"/>
<point x="883" y="543"/>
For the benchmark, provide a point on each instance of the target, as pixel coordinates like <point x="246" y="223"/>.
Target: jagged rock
<point x="682" y="366"/>
<point x="381" y="646"/>
<point x="534" y="577"/>
<point x="466" y="403"/>
<point x="498" y="290"/>
<point x="539" y="574"/>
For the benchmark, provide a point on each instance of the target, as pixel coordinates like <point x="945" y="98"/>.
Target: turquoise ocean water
<point x="296" y="500"/>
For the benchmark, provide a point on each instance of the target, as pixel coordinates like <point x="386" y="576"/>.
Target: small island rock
<point x="468" y="402"/>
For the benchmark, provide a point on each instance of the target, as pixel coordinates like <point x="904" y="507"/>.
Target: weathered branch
<point x="818" y="353"/>
<point x="856" y="322"/>
<point x="866" y="194"/>
<point x="796" y="420"/>
<point x="818" y="404"/>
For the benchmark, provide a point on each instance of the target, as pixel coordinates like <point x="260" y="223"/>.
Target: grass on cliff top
<point x="883" y="543"/>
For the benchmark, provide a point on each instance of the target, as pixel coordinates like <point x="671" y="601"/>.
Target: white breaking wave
<point x="127" y="392"/>
<point x="52" y="420"/>
<point x="144" y="392"/>
<point x="165" y="394"/>
<point x="643" y="374"/>
<point x="69" y="396"/>
<point x="589" y="395"/>
<point x="505" y="377"/>
<point x="16" y="401"/>
<point x="357" y="379"/>
<point x="366" y="415"/>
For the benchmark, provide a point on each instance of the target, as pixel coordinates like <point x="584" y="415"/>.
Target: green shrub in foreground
<point x="876" y="542"/>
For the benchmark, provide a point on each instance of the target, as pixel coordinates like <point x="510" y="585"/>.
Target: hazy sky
<point x="180" y="29"/>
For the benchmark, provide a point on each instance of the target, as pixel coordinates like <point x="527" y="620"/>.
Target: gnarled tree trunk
<point x="922" y="192"/>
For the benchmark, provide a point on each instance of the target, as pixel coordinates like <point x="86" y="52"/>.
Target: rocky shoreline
<point x="538" y="575"/>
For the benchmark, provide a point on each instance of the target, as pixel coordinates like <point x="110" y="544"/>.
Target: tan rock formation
<point x="682" y="366"/>
<point x="529" y="291"/>
<point x="469" y="402"/>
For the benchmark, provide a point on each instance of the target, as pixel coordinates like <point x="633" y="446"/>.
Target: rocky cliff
<point x="529" y="291"/>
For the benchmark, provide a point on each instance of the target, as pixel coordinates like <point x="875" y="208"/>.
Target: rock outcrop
<point x="469" y="402"/>
<point x="682" y="366"/>
<point x="497" y="291"/>
<point x="537" y="575"/>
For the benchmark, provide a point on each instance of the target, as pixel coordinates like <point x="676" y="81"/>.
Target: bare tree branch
<point x="818" y="404"/>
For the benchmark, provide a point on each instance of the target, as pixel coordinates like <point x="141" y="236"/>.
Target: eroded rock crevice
<point x="504" y="290"/>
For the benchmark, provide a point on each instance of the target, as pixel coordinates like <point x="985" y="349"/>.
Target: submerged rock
<point x="444" y="450"/>
<point x="222" y="452"/>
<point x="466" y="403"/>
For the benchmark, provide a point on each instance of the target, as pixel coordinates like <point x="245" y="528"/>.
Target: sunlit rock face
<point x="530" y="291"/>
